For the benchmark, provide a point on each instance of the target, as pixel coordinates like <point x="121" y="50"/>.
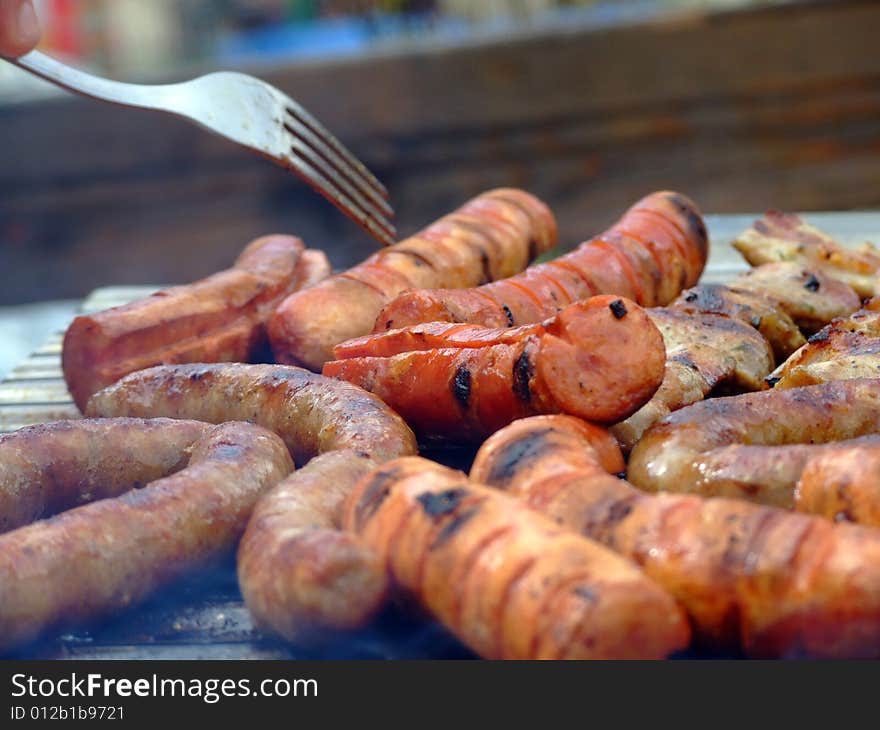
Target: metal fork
<point x="254" y="114"/>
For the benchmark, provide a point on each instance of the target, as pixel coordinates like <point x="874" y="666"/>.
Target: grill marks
<point x="508" y="582"/>
<point x="461" y="386"/>
<point x="523" y="372"/>
<point x="653" y="251"/>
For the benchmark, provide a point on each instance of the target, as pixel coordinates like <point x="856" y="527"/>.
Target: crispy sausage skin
<point x="657" y="248"/>
<point x="689" y="451"/>
<point x="218" y="319"/>
<point x="507" y="582"/>
<point x="105" y="556"/>
<point x="754" y="579"/>
<point x="601" y="358"/>
<point x="300" y="575"/>
<point x="313" y="414"/>
<point x="492" y="236"/>
<point x="52" y="467"/>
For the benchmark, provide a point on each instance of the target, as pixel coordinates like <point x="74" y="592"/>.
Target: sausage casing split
<point x="657" y="248"/>
<point x="220" y="318"/>
<point x="600" y="358"/>
<point x="106" y="556"/>
<point x="492" y="236"/>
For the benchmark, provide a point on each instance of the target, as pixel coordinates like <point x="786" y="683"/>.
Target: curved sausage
<point x="509" y="583"/>
<point x="601" y="359"/>
<point x="220" y="318"/>
<point x="757" y="580"/>
<point x="490" y="237"/>
<point x="106" y="556"/>
<point x="52" y="467"/>
<point x="311" y="413"/>
<point x="299" y="575"/>
<point x="656" y="249"/>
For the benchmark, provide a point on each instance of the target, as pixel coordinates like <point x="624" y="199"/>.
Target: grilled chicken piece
<point x="752" y="358"/>
<point x="845" y="349"/>
<point x="703" y="352"/>
<point x="692" y="371"/>
<point x="786" y="237"/>
<point x="755" y="308"/>
<point x="809" y="296"/>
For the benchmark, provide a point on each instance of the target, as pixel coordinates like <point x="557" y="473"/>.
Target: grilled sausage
<point x="601" y="358"/>
<point x="298" y="575"/>
<point x="495" y="235"/>
<point x="52" y="467"/>
<point x="106" y="556"/>
<point x="220" y="318"/>
<point x="757" y="580"/>
<point x="507" y="582"/>
<point x="685" y="452"/>
<point x="657" y="248"/>
<point x="313" y="414"/>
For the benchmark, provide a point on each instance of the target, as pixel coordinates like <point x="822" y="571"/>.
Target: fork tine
<point x="329" y="157"/>
<point x="341" y="185"/>
<point x="318" y="180"/>
<point x="298" y="112"/>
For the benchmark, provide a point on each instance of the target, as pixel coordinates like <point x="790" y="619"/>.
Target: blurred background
<point x="590" y="105"/>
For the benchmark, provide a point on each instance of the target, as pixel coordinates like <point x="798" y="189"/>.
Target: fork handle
<point x="67" y="77"/>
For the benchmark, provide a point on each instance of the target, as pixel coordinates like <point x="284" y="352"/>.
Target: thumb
<point x="19" y="27"/>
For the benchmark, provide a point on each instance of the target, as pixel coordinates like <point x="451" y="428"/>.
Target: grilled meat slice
<point x="845" y="349"/>
<point x="703" y="352"/>
<point x="751" y="354"/>
<point x="786" y="237"/>
<point x="755" y="308"/>
<point x="808" y="295"/>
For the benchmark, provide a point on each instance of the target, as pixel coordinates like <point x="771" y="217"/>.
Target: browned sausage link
<point x="493" y="236"/>
<point x="218" y="319"/>
<point x="677" y="453"/>
<point x="314" y="415"/>
<point x="601" y="358"/>
<point x="506" y="581"/>
<point x="755" y="579"/>
<point x="51" y="467"/>
<point x="313" y="267"/>
<point x="842" y="482"/>
<point x="658" y="246"/>
<point x="300" y="575"/>
<point x="109" y="555"/>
